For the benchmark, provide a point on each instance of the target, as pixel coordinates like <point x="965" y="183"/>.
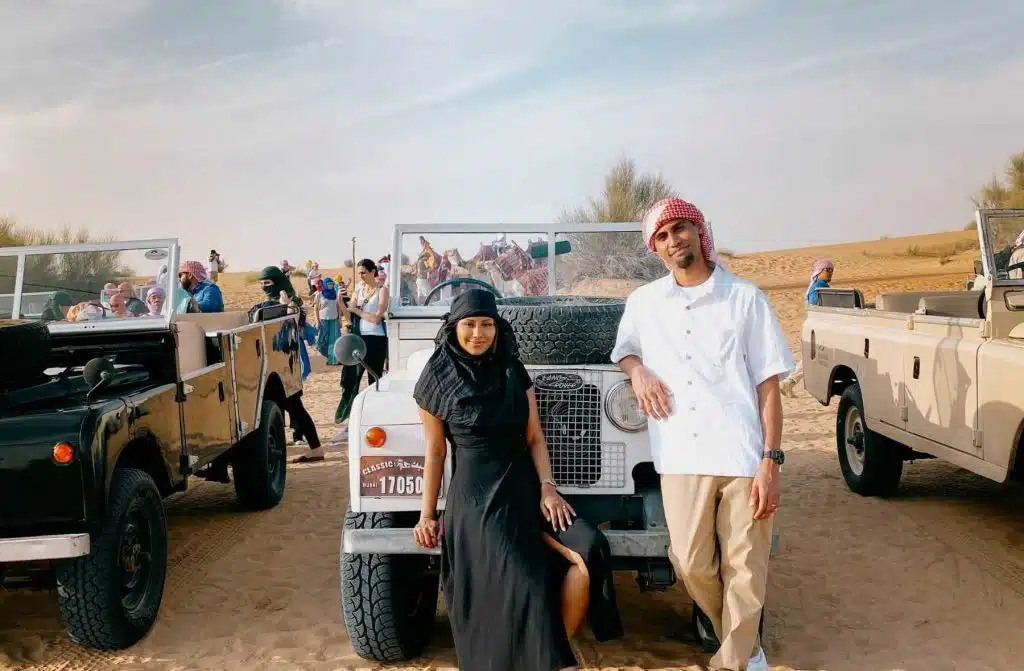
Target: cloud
<point x="311" y="121"/>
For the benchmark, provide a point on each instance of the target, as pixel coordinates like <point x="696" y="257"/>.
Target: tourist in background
<point x="366" y="311"/>
<point x="325" y="301"/>
<point x="821" y="278"/>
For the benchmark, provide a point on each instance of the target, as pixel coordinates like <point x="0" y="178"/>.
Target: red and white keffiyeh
<point x="672" y="209"/>
<point x="194" y="268"/>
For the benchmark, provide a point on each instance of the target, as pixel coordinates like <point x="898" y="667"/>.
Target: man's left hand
<point x="766" y="490"/>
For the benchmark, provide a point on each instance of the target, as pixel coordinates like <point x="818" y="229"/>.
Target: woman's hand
<point x="427" y="532"/>
<point x="555" y="509"/>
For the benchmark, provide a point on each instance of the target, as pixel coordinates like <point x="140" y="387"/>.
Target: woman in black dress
<point x="519" y="570"/>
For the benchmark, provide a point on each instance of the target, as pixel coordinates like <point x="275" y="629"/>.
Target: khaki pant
<point x="721" y="553"/>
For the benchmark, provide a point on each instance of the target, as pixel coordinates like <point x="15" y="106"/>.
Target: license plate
<point x="391" y="476"/>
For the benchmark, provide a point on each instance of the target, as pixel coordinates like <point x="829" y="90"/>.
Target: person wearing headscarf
<point x="704" y="352"/>
<point x="279" y="291"/>
<point x="325" y="301"/>
<point x="821" y="277"/>
<point x="57" y="307"/>
<point x="519" y="569"/>
<point x="155" y="300"/>
<point x="201" y="295"/>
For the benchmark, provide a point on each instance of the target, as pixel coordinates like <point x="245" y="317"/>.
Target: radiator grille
<point x="571" y="419"/>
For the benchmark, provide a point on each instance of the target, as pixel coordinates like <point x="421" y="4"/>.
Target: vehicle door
<point x="941" y="372"/>
<point x="206" y="412"/>
<point x="247" y="363"/>
<point x="280" y="348"/>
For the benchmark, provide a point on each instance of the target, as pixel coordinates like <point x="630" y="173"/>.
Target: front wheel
<point x="109" y="599"/>
<point x="388" y="602"/>
<point x="872" y="465"/>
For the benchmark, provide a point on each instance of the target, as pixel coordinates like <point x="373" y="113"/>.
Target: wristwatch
<point x="778" y="456"/>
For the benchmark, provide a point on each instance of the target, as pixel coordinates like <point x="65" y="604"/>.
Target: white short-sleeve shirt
<point x="711" y="345"/>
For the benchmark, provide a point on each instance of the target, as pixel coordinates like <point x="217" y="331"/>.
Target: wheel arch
<point x="841" y="377"/>
<point x="273" y="390"/>
<point x="144" y="454"/>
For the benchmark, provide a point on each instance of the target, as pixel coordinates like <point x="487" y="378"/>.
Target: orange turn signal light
<point x="376" y="437"/>
<point x="63" y="453"/>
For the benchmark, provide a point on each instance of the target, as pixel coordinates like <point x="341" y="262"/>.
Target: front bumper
<point x="639" y="544"/>
<point x="34" y="548"/>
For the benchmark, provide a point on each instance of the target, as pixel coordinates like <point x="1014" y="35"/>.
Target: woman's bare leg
<point x="575" y="587"/>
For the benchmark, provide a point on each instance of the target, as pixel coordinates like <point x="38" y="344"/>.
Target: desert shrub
<point x="81" y="275"/>
<point x="626" y="197"/>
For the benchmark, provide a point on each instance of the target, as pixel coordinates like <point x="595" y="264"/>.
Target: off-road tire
<point x="89" y="588"/>
<point x="388" y="602"/>
<point x="563" y="330"/>
<point x="259" y="462"/>
<point x="883" y="458"/>
<point x="25" y="349"/>
<point x="704" y="632"/>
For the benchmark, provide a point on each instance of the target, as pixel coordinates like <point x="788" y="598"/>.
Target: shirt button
<point x="687" y="331"/>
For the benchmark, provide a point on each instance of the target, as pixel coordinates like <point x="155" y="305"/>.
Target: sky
<point x="273" y="129"/>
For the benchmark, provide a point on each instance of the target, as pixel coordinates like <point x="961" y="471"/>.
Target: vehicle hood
<point x="46" y="428"/>
<point x="55" y="408"/>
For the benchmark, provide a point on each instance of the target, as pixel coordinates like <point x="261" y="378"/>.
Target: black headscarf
<point x="280" y="282"/>
<point x="458" y="387"/>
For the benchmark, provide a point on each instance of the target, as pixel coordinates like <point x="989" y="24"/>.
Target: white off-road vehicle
<point x="563" y="288"/>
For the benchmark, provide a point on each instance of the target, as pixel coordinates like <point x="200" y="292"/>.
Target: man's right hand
<point x="651" y="393"/>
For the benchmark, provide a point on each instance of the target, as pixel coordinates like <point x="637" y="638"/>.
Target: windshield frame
<point x="105" y="325"/>
<point x="550" y="232"/>
<point x="984" y="218"/>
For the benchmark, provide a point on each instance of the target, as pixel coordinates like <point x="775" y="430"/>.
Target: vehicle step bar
<point x="400" y="541"/>
<point x="34" y="548"/>
<point x="622" y="543"/>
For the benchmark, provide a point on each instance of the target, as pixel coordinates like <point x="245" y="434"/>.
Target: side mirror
<point x="350" y="350"/>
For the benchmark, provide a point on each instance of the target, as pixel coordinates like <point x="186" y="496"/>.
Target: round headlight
<point x="622" y="409"/>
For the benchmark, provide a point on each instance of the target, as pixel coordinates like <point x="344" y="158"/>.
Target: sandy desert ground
<point x="932" y="579"/>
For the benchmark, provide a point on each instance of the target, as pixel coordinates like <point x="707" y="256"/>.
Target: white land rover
<point x="563" y="289"/>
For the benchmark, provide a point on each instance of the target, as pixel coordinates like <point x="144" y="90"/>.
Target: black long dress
<point x="501" y="582"/>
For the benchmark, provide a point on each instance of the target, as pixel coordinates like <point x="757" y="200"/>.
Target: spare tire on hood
<point x="563" y="330"/>
<point x="24" y="351"/>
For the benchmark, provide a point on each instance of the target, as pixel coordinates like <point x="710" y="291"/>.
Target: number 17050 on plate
<point x="391" y="476"/>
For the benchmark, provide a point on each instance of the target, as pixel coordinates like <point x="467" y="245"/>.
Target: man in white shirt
<point x="705" y="352"/>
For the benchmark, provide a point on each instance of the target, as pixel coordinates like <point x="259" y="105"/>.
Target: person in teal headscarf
<point x="57" y="307"/>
